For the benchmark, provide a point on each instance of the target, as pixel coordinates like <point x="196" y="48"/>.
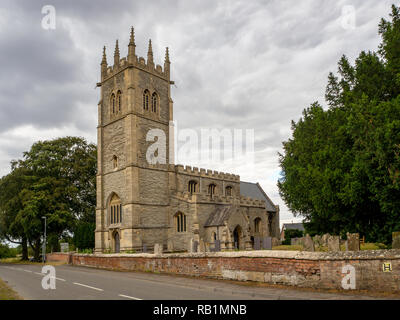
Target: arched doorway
<point x="237" y="234"/>
<point x="116" y="242"/>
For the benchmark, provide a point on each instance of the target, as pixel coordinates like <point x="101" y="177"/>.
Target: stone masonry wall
<point x="302" y="269"/>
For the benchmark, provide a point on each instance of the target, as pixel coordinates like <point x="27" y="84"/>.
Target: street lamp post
<point x="44" y="241"/>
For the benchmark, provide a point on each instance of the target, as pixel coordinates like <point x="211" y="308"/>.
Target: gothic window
<point x="211" y="189"/>
<point x="228" y="191"/>
<point x="257" y="225"/>
<point x="115" y="162"/>
<point x="192" y="186"/>
<point x="115" y="210"/>
<point x="112" y="103"/>
<point x="154" y="102"/>
<point x="119" y="100"/>
<point x="180" y="222"/>
<point x="146" y="95"/>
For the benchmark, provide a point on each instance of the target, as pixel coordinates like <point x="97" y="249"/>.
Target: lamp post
<point x="44" y="241"/>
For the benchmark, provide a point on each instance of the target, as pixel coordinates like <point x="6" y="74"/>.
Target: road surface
<point x="80" y="283"/>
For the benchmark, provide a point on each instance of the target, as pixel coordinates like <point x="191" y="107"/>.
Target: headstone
<point x="353" y="242"/>
<point x="202" y="246"/>
<point x="158" y="248"/>
<point x="308" y="243"/>
<point x="317" y="241"/>
<point x="297" y="241"/>
<point x="144" y="248"/>
<point x="257" y="244"/>
<point x="195" y="247"/>
<point x="333" y="243"/>
<point x="217" y="245"/>
<point x="64" y="246"/>
<point x="324" y="239"/>
<point x="396" y="240"/>
<point x="275" y="242"/>
<point x="267" y="243"/>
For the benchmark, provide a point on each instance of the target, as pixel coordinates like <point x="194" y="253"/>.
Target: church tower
<point x="133" y="184"/>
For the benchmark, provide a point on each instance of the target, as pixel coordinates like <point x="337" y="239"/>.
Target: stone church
<point x="140" y="204"/>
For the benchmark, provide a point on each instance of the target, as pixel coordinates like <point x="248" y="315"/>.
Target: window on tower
<point x="154" y="101"/>
<point x="112" y="103"/>
<point x="119" y="100"/>
<point x="115" y="210"/>
<point x="146" y="95"/>
<point x="211" y="189"/>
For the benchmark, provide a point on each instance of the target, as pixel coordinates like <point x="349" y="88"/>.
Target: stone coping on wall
<point x="279" y="254"/>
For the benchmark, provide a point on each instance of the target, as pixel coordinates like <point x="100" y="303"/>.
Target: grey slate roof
<point x="218" y="216"/>
<point x="254" y="190"/>
<point x="293" y="226"/>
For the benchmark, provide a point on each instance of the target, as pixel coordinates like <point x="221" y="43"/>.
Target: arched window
<point x="214" y="236"/>
<point x="112" y="103"/>
<point x="257" y="225"/>
<point x="211" y="189"/>
<point x="146" y="95"/>
<point x="180" y="222"/>
<point x="228" y="191"/>
<point x="192" y="186"/>
<point x="115" y="162"/>
<point x="119" y="100"/>
<point x="115" y="210"/>
<point x="154" y="102"/>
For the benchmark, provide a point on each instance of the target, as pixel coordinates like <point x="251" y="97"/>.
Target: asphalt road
<point x="80" y="283"/>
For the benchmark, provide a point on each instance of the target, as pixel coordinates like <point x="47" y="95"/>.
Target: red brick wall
<point x="316" y="269"/>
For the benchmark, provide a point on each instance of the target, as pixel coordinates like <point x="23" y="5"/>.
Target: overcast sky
<point x="236" y="65"/>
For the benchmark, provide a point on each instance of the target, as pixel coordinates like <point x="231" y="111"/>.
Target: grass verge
<point x="6" y="293"/>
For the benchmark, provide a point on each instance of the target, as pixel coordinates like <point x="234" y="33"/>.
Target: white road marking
<point x="59" y="279"/>
<point x="133" y="298"/>
<point x="40" y="274"/>
<point x="84" y="285"/>
<point x="27" y="270"/>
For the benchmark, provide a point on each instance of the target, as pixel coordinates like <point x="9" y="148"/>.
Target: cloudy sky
<point x="236" y="65"/>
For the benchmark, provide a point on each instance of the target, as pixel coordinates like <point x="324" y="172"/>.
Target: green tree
<point x="59" y="184"/>
<point x="340" y="169"/>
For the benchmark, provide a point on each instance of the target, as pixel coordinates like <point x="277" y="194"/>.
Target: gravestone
<point x="396" y="240"/>
<point x="297" y="241"/>
<point x="333" y="243"/>
<point x="324" y="239"/>
<point x="317" y="241"/>
<point x="217" y="245"/>
<point x="308" y="243"/>
<point x="275" y="242"/>
<point x="257" y="243"/>
<point x="64" y="246"/>
<point x="144" y="248"/>
<point x="195" y="247"/>
<point x="353" y="242"/>
<point x="267" y="243"/>
<point x="158" y="248"/>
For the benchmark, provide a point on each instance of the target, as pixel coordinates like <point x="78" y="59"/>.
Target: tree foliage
<point x="341" y="166"/>
<point x="55" y="179"/>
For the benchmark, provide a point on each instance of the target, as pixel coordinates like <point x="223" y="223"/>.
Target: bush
<point x="292" y="233"/>
<point x="84" y="235"/>
<point x="7" y="252"/>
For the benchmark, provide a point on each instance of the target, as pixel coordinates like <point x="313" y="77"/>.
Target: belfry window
<point x="154" y="102"/>
<point x="228" y="191"/>
<point x="180" y="222"/>
<point x="119" y="100"/>
<point x="192" y="186"/>
<point x="112" y="103"/>
<point x="146" y="99"/>
<point x="115" y="210"/>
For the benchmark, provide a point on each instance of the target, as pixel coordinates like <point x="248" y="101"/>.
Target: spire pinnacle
<point x="104" y="60"/>
<point x="116" y="54"/>
<point x="132" y="38"/>
<point x="167" y="55"/>
<point x="150" y="54"/>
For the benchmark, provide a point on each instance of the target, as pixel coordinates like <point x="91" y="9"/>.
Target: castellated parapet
<point x="194" y="171"/>
<point x="132" y="60"/>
